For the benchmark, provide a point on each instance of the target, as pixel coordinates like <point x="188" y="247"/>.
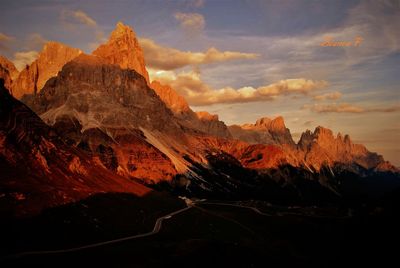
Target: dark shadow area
<point x="223" y="236"/>
<point x="98" y="218"/>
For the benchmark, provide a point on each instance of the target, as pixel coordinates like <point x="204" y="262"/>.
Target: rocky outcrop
<point x="124" y="50"/>
<point x="50" y="61"/>
<point x="38" y="170"/>
<point x="8" y="72"/>
<point x="264" y="131"/>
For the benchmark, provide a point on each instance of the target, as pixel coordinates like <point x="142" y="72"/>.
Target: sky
<point x="246" y="59"/>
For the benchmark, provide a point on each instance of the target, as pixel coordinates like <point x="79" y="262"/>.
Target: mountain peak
<point x="50" y="61"/>
<point x="263" y="121"/>
<point x="123" y="49"/>
<point x="121" y="30"/>
<point x="277" y="124"/>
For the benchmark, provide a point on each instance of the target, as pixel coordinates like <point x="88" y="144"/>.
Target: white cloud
<point x="197" y="93"/>
<point x="77" y="17"/>
<point x="166" y="58"/>
<point x="21" y="59"/>
<point x="74" y="19"/>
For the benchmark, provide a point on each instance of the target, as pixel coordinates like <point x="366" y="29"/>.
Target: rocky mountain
<point x="39" y="170"/>
<point x="104" y="105"/>
<point x="50" y="61"/>
<point x="124" y="50"/>
<point x="201" y="121"/>
<point x="314" y="150"/>
<point x="264" y="131"/>
<point x="101" y="107"/>
<point x="321" y="147"/>
<point x="8" y="72"/>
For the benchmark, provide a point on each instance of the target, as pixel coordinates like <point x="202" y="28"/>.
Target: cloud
<point x="73" y="19"/>
<point x="84" y="18"/>
<point x="165" y="58"/>
<point x="350" y="108"/>
<point x="191" y="23"/>
<point x="21" y="59"/>
<point x="328" y="96"/>
<point x="197" y="93"/>
<point x="77" y="17"/>
<point x="5" y="40"/>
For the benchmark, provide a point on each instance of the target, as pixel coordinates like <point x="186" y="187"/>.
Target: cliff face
<point x="38" y="170"/>
<point x="50" y="61"/>
<point x="171" y="98"/>
<point x="124" y="50"/>
<point x="211" y="125"/>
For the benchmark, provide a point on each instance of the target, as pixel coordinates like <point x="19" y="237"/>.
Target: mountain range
<point x="73" y="124"/>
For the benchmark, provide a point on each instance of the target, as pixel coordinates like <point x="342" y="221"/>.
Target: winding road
<point x="156" y="229"/>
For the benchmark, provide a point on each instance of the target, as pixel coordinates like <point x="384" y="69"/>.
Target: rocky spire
<point x="123" y="49"/>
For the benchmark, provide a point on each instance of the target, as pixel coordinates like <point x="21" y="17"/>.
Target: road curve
<point x="256" y="210"/>
<point x="156" y="229"/>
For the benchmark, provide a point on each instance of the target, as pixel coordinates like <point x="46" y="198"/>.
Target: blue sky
<point x="275" y="65"/>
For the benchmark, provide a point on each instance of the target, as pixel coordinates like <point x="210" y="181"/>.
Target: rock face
<point x="201" y="121"/>
<point x="171" y="98"/>
<point x="38" y="170"/>
<point x="50" y="61"/>
<point x="264" y="131"/>
<point x="101" y="107"/>
<point x="9" y="66"/>
<point x="211" y="124"/>
<point x="124" y="50"/>
<point x="8" y="72"/>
